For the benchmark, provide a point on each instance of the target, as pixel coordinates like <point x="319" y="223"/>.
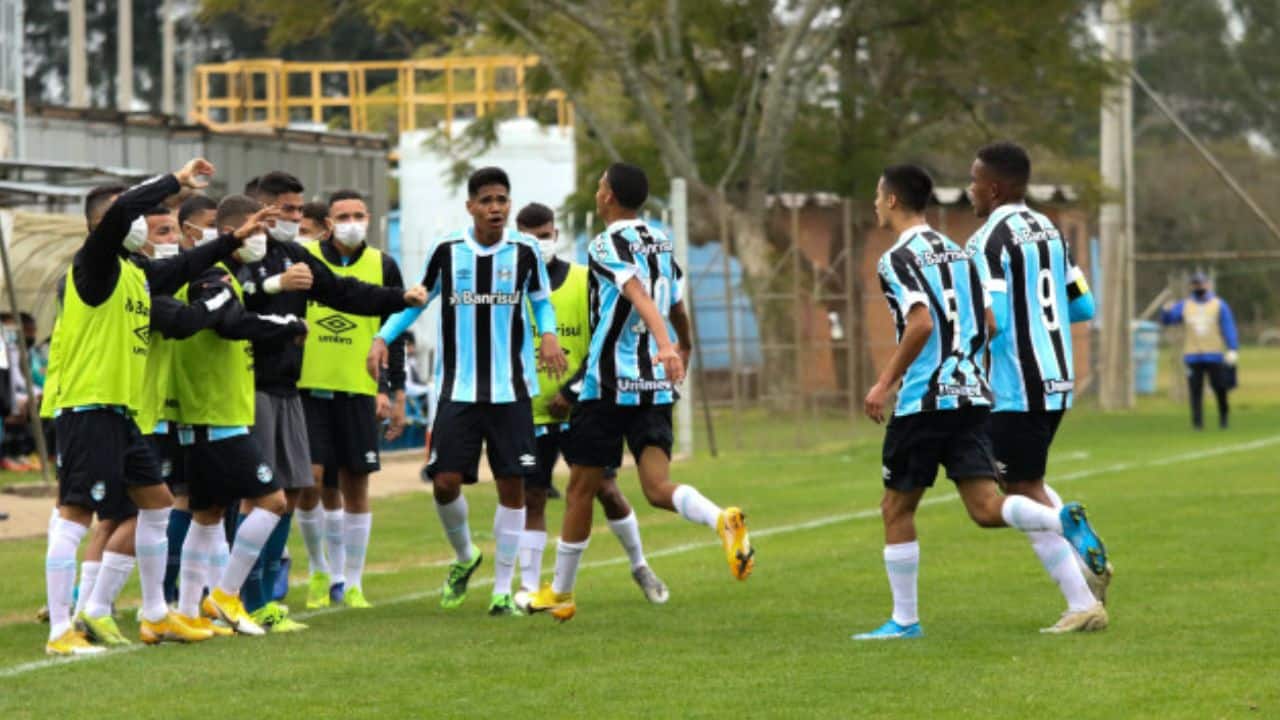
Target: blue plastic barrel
<point x="1146" y="356"/>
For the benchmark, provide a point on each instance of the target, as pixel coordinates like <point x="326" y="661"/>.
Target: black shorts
<point x="343" y="431"/>
<point x="505" y="429"/>
<point x="550" y="441"/>
<point x="597" y="430"/>
<point x="915" y="445"/>
<point x="169" y="454"/>
<point x="1021" y="440"/>
<point x="223" y="472"/>
<point x="101" y="454"/>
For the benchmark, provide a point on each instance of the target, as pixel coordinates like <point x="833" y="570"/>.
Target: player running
<point x="571" y="291"/>
<point x="1037" y="293"/>
<point x="938" y="305"/>
<point x="630" y="386"/>
<point x="486" y="374"/>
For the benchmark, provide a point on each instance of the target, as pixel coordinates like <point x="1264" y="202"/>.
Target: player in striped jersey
<point x="938" y="305"/>
<point x="486" y="374"/>
<point x="630" y="385"/>
<point x="1037" y="292"/>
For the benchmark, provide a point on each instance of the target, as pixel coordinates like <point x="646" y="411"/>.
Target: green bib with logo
<point x="337" y="343"/>
<point x="573" y="314"/>
<point x="212" y="377"/>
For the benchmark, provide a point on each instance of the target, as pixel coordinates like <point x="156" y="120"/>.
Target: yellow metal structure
<point x="377" y="97"/>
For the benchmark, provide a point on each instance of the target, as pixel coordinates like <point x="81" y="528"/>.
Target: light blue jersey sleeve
<point x="538" y="289"/>
<point x="611" y="258"/>
<point x="397" y="324"/>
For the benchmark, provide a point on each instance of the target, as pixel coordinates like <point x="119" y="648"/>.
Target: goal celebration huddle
<point x="200" y="406"/>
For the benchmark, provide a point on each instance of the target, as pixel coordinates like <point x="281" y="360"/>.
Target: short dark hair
<point x="316" y="211"/>
<point x="534" y="215"/>
<point x="97" y="200"/>
<point x="1008" y="160"/>
<point x="158" y="210"/>
<point x="347" y="194"/>
<point x="235" y="209"/>
<point x="251" y="187"/>
<point x="277" y="183"/>
<point x="195" y="204"/>
<point x="629" y="185"/>
<point x="487" y="176"/>
<point x="911" y="184"/>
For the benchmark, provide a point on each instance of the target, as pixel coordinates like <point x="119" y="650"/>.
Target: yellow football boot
<point x="732" y="528"/>
<point x="560" y="605"/>
<point x="230" y="610"/>
<point x="171" y="627"/>
<point x="72" y="642"/>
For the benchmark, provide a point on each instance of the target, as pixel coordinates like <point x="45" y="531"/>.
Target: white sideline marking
<point x="24" y="668"/>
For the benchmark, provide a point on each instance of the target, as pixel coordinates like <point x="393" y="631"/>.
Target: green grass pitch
<point x="1190" y="520"/>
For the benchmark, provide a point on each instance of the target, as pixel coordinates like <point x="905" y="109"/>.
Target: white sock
<point x="151" y="547"/>
<point x="247" y="546"/>
<point x="627" y="530"/>
<point x="311" y="524"/>
<point x="508" y="523"/>
<point x="1056" y="554"/>
<point x="453" y="516"/>
<point x="356" y="534"/>
<point x="88" y="576"/>
<point x="218" y="559"/>
<point x="568" y="555"/>
<point x="1028" y="515"/>
<point x="60" y="573"/>
<point x="902" y="563"/>
<point x="532" y="545"/>
<point x="197" y="558"/>
<point x="693" y="507"/>
<point x="115" y="572"/>
<point x="334" y="548"/>
<point x="54" y="517"/>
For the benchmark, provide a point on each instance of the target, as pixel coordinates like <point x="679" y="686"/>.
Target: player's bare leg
<point x="625" y="526"/>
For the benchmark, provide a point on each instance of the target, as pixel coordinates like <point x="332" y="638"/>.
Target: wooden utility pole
<point x="124" y="56"/>
<point x="77" y="63"/>
<point x="167" y="58"/>
<point x="1115" y="219"/>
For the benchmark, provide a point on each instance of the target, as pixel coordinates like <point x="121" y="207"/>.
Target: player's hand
<point x="377" y="358"/>
<point x="1232" y="357"/>
<point x="257" y="223"/>
<point x="415" y="296"/>
<point x="196" y="173"/>
<point x="297" y="277"/>
<point x="384" y="407"/>
<point x="875" y="403"/>
<point x="559" y="406"/>
<point x="551" y="357"/>
<point x="398" y="421"/>
<point x="669" y="358"/>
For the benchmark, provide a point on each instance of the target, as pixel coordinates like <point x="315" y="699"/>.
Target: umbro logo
<point x="336" y="324"/>
<point x="885" y="473"/>
<point x="143" y="333"/>
<point x="528" y="460"/>
<point x="371" y="457"/>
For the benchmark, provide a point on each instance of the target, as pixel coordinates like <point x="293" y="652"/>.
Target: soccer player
<point x="630" y="386"/>
<point x="283" y="283"/>
<point x="486" y="374"/>
<point x="571" y="295"/>
<point x="196" y="217"/>
<point x="214" y="403"/>
<point x="341" y="401"/>
<point x="1037" y="292"/>
<point x="938" y="304"/>
<point x="100" y="341"/>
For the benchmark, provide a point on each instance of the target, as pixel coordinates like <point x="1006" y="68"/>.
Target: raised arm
<point x="233" y="322"/>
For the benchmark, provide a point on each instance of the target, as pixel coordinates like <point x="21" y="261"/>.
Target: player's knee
<point x="612" y="500"/>
<point x="274" y="503"/>
<point x="986" y="513"/>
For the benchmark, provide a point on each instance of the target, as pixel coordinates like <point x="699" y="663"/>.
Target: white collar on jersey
<point x="617" y="225"/>
<point x="507" y="236"/>
<point x="909" y="233"/>
<point x="1005" y="210"/>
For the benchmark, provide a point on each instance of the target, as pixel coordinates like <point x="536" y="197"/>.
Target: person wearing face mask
<point x="315" y="223"/>
<point x="212" y="399"/>
<point x="572" y="287"/>
<point x="1210" y="346"/>
<point x="100" y="346"/>
<point x="343" y="406"/>
<point x="284" y="282"/>
<point x="195" y="220"/>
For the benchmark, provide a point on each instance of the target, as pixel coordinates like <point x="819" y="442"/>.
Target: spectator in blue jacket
<point x="1210" y="346"/>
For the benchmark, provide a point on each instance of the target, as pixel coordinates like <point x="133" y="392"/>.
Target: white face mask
<point x="350" y="234"/>
<point x="207" y="235"/>
<point x="548" y="249"/>
<point x="162" y="251"/>
<point x="254" y="249"/>
<point x="284" y="230"/>
<point x="137" y="236"/>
